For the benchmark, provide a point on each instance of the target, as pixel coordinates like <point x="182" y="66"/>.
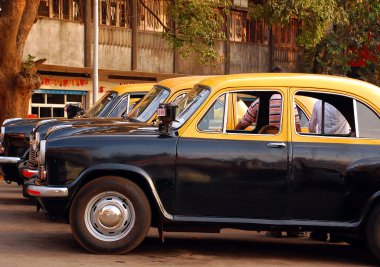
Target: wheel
<point x="110" y="215"/>
<point x="373" y="232"/>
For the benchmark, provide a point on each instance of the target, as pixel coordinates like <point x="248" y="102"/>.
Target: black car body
<point x="15" y="133"/>
<point x="114" y="182"/>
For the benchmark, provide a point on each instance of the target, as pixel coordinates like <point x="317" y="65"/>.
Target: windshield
<point x="189" y="104"/>
<point x="100" y="105"/>
<point x="147" y="107"/>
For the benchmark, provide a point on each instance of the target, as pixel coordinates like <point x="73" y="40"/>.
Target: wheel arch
<point x="371" y="204"/>
<point x="134" y="174"/>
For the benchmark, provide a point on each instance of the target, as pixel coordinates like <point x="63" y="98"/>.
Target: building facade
<point x="132" y="49"/>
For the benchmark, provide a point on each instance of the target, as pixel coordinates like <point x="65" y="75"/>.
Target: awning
<point x="60" y="92"/>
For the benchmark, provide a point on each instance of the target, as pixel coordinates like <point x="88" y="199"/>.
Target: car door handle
<point x="276" y="145"/>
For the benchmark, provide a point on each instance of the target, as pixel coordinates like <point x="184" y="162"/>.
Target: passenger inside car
<point x="333" y="115"/>
<point x="270" y="109"/>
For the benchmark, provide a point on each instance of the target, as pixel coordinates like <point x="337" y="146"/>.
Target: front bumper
<point x="9" y="169"/>
<point x="47" y="191"/>
<point x="9" y="160"/>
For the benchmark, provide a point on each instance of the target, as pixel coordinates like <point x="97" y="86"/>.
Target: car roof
<point x="180" y="83"/>
<point x="133" y="88"/>
<point x="337" y="83"/>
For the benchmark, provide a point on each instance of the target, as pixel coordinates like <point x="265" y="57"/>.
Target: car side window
<point x="331" y="115"/>
<point x="304" y="121"/>
<point x="368" y="122"/>
<point x="212" y="121"/>
<point x="255" y="112"/>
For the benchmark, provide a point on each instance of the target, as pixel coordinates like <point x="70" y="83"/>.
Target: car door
<point x="331" y="177"/>
<point x="226" y="173"/>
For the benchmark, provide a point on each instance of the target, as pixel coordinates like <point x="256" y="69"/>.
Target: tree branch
<point x="27" y="20"/>
<point x="166" y="28"/>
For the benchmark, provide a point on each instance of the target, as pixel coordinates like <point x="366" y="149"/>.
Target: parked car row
<point x="193" y="168"/>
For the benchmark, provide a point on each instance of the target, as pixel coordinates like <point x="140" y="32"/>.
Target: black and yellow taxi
<point x="168" y="90"/>
<point x="15" y="132"/>
<point x="203" y="172"/>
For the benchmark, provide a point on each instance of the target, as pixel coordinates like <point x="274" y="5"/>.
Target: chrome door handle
<point x="276" y="145"/>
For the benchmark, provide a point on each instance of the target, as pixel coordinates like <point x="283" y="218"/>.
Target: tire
<point x="373" y="232"/>
<point x="110" y="215"/>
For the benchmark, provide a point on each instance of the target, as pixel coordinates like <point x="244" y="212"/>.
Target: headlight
<point x="41" y="154"/>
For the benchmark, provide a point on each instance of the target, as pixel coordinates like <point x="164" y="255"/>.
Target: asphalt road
<point x="31" y="239"/>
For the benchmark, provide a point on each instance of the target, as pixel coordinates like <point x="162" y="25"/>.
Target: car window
<point x="304" y="121"/>
<point x="146" y="108"/>
<point x="178" y="98"/>
<point x="120" y="107"/>
<point x="213" y="119"/>
<point x="254" y="112"/>
<point x="331" y="115"/>
<point x="102" y="104"/>
<point x="189" y="104"/>
<point x="368" y="122"/>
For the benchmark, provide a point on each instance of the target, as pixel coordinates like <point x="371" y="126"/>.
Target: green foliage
<point x="359" y="32"/>
<point x="316" y="16"/>
<point x="196" y="26"/>
<point x="28" y="65"/>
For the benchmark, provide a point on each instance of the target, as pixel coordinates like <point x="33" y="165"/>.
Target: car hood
<point x="44" y="128"/>
<point x="116" y="128"/>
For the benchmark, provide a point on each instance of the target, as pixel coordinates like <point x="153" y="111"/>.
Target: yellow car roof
<point x="133" y="88"/>
<point x="338" y="84"/>
<point x="181" y="83"/>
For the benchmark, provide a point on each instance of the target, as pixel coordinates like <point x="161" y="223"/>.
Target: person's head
<point x="276" y="69"/>
<point x="72" y="110"/>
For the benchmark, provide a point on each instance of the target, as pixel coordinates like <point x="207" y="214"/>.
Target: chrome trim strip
<point x="225" y="115"/>
<point x="11" y="160"/>
<point x="47" y="191"/>
<point x="41" y="155"/>
<point x="302" y="223"/>
<point x="356" y="118"/>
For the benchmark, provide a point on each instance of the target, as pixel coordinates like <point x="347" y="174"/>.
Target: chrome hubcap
<point x="109" y="216"/>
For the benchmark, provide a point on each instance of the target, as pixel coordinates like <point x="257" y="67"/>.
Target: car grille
<point x="41" y="172"/>
<point x="32" y="158"/>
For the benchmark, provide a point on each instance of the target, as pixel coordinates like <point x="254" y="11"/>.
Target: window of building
<point x="147" y="21"/>
<point x="72" y="10"/>
<point x="245" y="29"/>
<point x="115" y="13"/>
<point x="51" y="103"/>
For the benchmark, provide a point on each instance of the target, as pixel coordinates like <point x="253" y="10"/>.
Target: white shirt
<point x="335" y="122"/>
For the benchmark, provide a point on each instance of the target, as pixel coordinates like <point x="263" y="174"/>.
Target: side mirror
<point x="166" y="114"/>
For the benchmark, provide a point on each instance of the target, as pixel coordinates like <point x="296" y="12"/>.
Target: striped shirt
<point x="275" y="107"/>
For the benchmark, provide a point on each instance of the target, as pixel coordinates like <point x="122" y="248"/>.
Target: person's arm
<point x="249" y="117"/>
<point x="297" y="119"/>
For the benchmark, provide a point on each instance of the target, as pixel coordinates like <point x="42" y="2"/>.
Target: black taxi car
<point x="15" y="132"/>
<point x="168" y="90"/>
<point x="114" y="182"/>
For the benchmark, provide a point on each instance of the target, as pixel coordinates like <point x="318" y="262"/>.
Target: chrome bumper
<point x="47" y="191"/>
<point x="9" y="160"/>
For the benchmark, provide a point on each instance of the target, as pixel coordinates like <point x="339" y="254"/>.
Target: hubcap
<point x="109" y="216"/>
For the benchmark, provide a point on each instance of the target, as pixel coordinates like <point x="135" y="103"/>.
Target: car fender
<point x="140" y="176"/>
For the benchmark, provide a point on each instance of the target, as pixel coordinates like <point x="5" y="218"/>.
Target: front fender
<point x="136" y="174"/>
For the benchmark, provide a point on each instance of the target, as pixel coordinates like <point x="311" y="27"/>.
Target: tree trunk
<point x="16" y="83"/>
